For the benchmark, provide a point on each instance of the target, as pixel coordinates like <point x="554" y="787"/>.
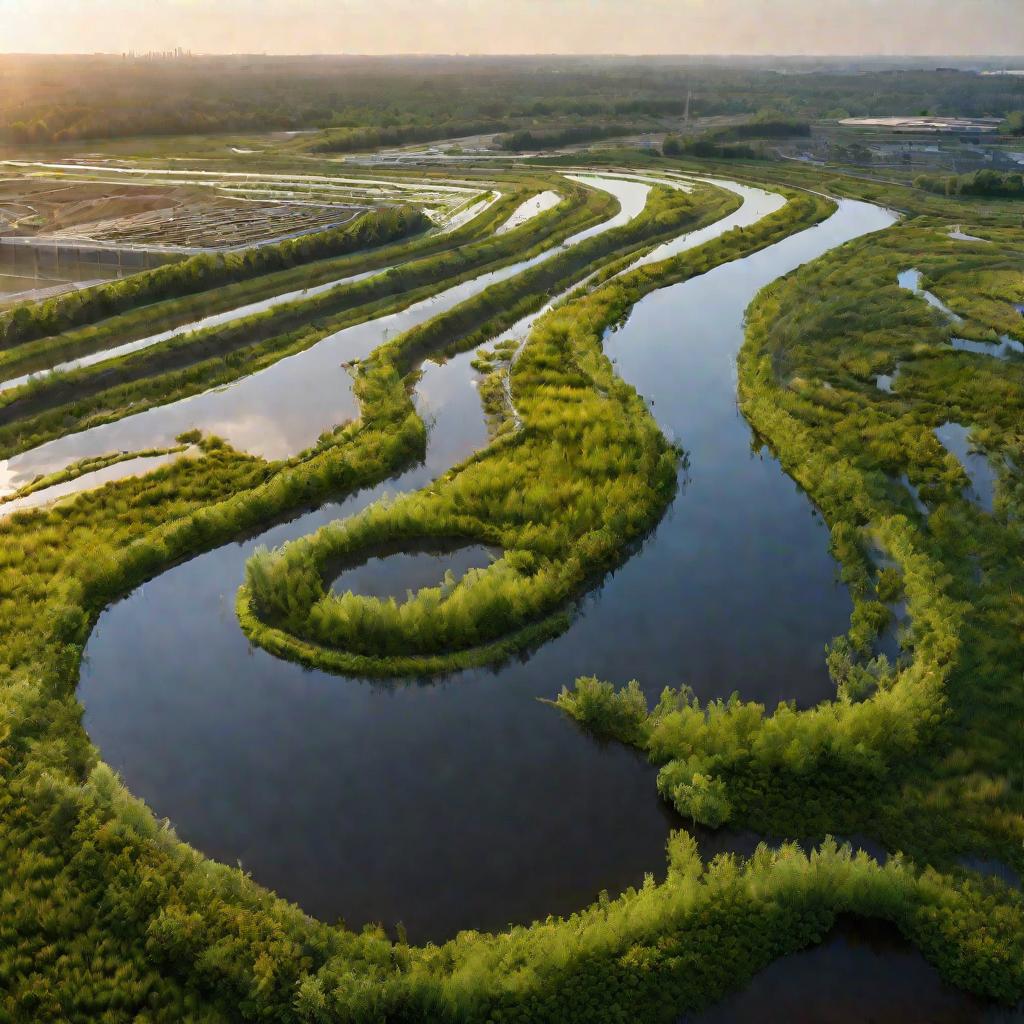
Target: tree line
<point x="554" y="138"/>
<point x="352" y="140"/>
<point x="990" y="184"/>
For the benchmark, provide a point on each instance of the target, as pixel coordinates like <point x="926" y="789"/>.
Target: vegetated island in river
<point x="918" y="750"/>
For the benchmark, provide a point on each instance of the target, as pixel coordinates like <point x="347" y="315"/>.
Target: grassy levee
<point x="991" y="216"/>
<point x="564" y="498"/>
<point x="187" y="364"/>
<point x="31" y="320"/>
<point x="87" y="465"/>
<point x="111" y="918"/>
<point x="667" y="214"/>
<point x="34" y="356"/>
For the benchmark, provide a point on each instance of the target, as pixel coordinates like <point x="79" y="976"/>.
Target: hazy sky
<point x="516" y="26"/>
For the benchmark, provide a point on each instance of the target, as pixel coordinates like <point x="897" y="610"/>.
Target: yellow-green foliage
<point x="107" y="917"/>
<point x="587" y="474"/>
<point x="925" y="754"/>
<point x="186" y="364"/>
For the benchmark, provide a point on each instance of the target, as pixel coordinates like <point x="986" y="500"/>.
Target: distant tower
<point x="686" y="116"/>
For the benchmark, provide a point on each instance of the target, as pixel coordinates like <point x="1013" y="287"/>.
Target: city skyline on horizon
<point x="838" y="28"/>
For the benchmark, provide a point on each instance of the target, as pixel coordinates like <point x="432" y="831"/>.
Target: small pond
<point x="863" y="973"/>
<point x="395" y="573"/>
<point x="955" y="438"/>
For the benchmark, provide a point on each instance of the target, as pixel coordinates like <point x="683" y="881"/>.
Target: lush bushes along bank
<point x="731" y="142"/>
<point x="668" y="213"/>
<point x="706" y="149"/>
<point x="554" y="138"/>
<point x="201" y="273"/>
<point x="110" y="918"/>
<point x="729" y="760"/>
<point x="564" y="498"/>
<point x="769" y="127"/>
<point x="352" y="140"/>
<point x="921" y="752"/>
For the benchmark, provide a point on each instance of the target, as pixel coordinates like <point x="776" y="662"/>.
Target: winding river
<point x="863" y="971"/>
<point x="466" y="803"/>
<point x="284" y="408"/>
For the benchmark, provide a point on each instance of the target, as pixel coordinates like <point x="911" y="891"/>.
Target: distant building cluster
<point x="975" y="125"/>
<point x="176" y="54"/>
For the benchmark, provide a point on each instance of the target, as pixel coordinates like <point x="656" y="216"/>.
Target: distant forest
<point x="990" y="184"/>
<point x="69" y="98"/>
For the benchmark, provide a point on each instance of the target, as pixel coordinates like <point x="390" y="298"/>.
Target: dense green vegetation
<point x="28" y="321"/>
<point x="980" y="183"/>
<point x="674" y="146"/>
<point x="352" y="140"/>
<point x="715" y="143"/>
<point x="554" y="138"/>
<point x="564" y="497"/>
<point x="923" y="752"/>
<point x="763" y="127"/>
<point x="1014" y="123"/>
<point x="193" y="362"/>
<point x="49" y="100"/>
<point x="107" y="917"/>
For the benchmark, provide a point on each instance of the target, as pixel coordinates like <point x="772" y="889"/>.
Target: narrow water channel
<point x="212" y="320"/>
<point x="465" y="802"/>
<point x="863" y="973"/>
<point x="284" y="408"/>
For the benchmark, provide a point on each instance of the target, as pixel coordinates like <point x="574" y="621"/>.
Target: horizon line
<point x="499" y="56"/>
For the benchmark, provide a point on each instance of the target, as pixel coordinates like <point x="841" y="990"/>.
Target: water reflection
<point x="959" y="236"/>
<point x="885" y="381"/>
<point x="467" y="803"/>
<point x="955" y="438"/>
<point x="863" y="972"/>
<point x="128" y="467"/>
<point x="997" y="350"/>
<point x="284" y="408"/>
<point x="529" y="209"/>
<point x="404" y="569"/>
<point x="213" y="320"/>
<point x="915" y="494"/>
<point x="992" y="869"/>
<point x="911" y="280"/>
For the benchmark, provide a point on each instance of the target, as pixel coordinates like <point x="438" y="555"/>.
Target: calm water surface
<point x="465" y="802"/>
<point x="863" y="973"/>
<point x="284" y="408"/>
<point x="955" y="438"/>
<point x="413" y="567"/>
